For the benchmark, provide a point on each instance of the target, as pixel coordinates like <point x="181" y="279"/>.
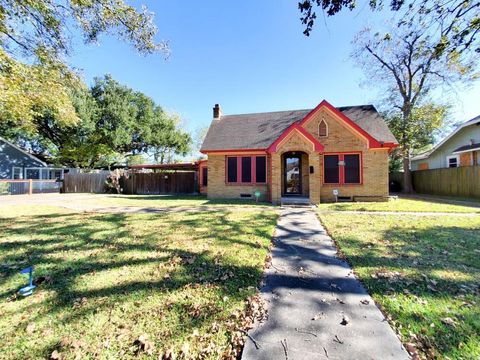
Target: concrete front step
<point x="295" y="200"/>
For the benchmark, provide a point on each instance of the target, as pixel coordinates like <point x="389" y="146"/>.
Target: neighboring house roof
<point x="466" y="148"/>
<point x="260" y="130"/>
<point x="426" y="154"/>
<point x="23" y="151"/>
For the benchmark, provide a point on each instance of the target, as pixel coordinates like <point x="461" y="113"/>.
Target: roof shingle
<point x="260" y="130"/>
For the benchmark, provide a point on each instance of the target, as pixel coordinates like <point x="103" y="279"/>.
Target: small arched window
<point x="322" y="128"/>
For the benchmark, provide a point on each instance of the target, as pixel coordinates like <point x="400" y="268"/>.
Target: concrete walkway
<point x="317" y="309"/>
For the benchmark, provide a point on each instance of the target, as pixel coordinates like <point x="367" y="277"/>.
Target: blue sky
<point x="249" y="56"/>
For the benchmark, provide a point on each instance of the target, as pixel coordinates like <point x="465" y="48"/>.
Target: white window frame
<point x="17" y="168"/>
<point x="456" y="157"/>
<point x="45" y="172"/>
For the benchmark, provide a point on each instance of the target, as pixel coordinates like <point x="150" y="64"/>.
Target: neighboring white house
<point x="460" y="148"/>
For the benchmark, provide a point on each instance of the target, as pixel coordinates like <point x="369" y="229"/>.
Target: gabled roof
<point x="475" y="120"/>
<point x="259" y="131"/>
<point x="23" y="151"/>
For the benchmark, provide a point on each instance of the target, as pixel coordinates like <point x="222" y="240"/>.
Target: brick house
<point x="302" y="154"/>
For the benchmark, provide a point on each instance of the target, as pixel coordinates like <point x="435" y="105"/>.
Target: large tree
<point x="35" y="39"/>
<point x="417" y="132"/>
<point x="457" y="21"/>
<point x="408" y="64"/>
<point x="116" y="123"/>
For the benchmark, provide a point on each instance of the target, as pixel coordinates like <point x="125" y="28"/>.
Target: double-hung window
<point x="251" y="169"/>
<point x="342" y="169"/>
<point x="452" y="161"/>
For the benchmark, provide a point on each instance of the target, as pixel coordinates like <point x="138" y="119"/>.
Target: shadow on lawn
<point x="205" y="201"/>
<point x="69" y="248"/>
<point x="406" y="270"/>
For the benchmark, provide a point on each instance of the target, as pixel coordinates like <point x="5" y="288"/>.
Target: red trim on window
<point x="239" y="169"/>
<point x="253" y="164"/>
<point x="296" y="127"/>
<point x="201" y="165"/>
<point x="254" y="168"/>
<point x="341" y="168"/>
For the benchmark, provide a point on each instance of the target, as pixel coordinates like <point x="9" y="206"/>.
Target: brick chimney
<point x="217" y="111"/>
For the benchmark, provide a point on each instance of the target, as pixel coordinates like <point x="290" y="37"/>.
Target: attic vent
<point x="322" y="128"/>
<point x="245" y="195"/>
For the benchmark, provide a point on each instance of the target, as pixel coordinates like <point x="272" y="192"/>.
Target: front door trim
<point x="285" y="183"/>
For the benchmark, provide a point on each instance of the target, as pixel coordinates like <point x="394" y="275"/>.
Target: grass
<point x="407" y="205"/>
<point x="423" y="271"/>
<point x="128" y="285"/>
<point x="169" y="201"/>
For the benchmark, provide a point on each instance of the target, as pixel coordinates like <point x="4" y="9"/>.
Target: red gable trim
<point x="296" y="127"/>
<point x="372" y="142"/>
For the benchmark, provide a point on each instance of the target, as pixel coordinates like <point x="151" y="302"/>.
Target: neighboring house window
<point x="342" y="169"/>
<point x="246" y="169"/>
<point x="452" y="161"/>
<point x="17" y="173"/>
<point x="204" y="176"/>
<point x="33" y="174"/>
<point x="322" y="128"/>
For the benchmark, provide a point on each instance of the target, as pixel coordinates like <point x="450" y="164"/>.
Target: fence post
<point x="30" y="186"/>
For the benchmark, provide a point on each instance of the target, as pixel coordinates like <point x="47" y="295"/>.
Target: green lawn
<point x="400" y="204"/>
<point x="169" y="201"/>
<point x="129" y="285"/>
<point x="424" y="271"/>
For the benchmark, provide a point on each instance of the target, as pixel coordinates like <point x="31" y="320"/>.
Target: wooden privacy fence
<point x="160" y="183"/>
<point x="463" y="181"/>
<point x="85" y="183"/>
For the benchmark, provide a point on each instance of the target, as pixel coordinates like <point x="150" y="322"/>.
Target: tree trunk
<point x="407" y="175"/>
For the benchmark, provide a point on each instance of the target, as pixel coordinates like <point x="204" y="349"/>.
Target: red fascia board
<point x="295" y="126"/>
<point x="232" y="151"/>
<point x="372" y="142"/>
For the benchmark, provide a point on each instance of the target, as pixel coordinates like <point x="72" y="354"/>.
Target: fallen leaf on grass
<point x="448" y="321"/>
<point x="168" y="355"/>
<point x="30" y="328"/>
<point x="411" y="348"/>
<point x="55" y="355"/>
<point x="79" y="302"/>
<point x="144" y="345"/>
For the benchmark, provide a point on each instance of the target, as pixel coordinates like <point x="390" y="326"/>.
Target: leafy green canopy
<point x="35" y="38"/>
<point x="416" y="132"/>
<point x="115" y="123"/>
